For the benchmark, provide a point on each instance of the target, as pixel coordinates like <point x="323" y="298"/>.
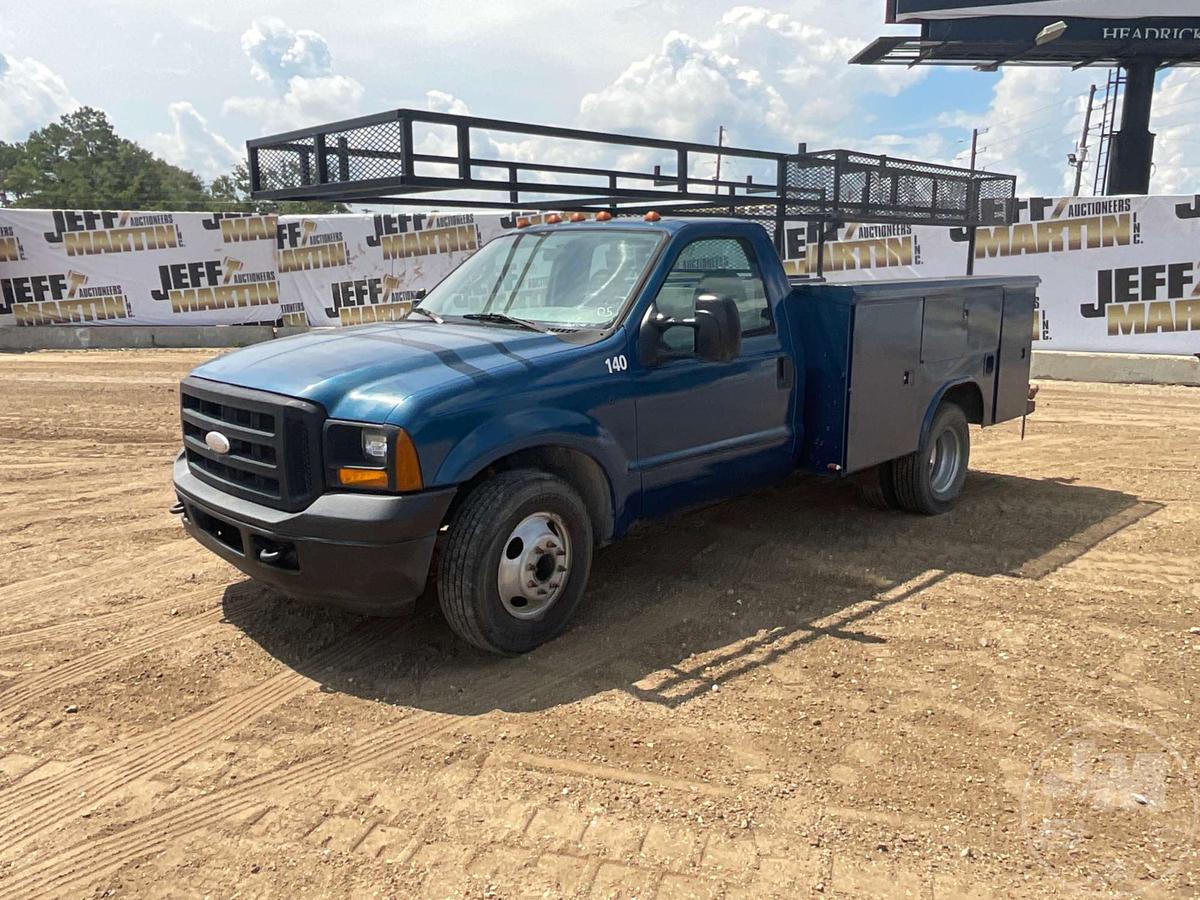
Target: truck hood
<point x="364" y="373"/>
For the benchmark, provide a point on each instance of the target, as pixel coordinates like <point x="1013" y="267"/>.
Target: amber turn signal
<point x="349" y="476"/>
<point x="407" y="464"/>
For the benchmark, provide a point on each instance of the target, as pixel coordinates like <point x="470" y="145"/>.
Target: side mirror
<point x="718" y="328"/>
<point x="716" y="325"/>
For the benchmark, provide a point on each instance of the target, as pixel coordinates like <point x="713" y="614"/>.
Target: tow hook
<point x="177" y="509"/>
<point x="281" y="555"/>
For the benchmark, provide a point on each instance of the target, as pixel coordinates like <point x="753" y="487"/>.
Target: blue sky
<point x="194" y="81"/>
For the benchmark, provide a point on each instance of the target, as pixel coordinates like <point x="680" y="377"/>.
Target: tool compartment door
<point x="885" y="414"/>
<point x="1016" y="350"/>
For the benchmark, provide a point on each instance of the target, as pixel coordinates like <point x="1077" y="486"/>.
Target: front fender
<point x="530" y="428"/>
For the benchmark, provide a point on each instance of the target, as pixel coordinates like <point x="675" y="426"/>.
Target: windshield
<point x="577" y="278"/>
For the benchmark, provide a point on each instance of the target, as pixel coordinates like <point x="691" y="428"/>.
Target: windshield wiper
<point x="428" y="314"/>
<point x="507" y="319"/>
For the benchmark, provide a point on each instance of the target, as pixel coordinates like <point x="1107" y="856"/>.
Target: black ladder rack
<point x="417" y="157"/>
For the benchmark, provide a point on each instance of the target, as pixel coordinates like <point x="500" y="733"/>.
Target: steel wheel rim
<point x="535" y="563"/>
<point x="945" y="460"/>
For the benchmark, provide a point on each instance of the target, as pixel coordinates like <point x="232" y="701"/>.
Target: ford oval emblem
<point x="217" y="442"/>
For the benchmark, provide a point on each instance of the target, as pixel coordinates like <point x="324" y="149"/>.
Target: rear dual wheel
<point x="929" y="480"/>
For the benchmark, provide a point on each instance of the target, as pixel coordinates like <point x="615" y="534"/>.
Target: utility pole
<point x="1081" y="157"/>
<point x="720" y="144"/>
<point x="971" y="232"/>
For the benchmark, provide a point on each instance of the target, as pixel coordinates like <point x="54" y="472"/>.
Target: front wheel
<point x="930" y="480"/>
<point x="515" y="562"/>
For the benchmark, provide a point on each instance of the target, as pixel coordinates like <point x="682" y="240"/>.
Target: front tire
<point x="929" y="481"/>
<point x="516" y="562"/>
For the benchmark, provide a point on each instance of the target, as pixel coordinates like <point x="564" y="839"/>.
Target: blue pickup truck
<point x="566" y="381"/>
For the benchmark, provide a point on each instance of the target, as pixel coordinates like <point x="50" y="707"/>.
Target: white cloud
<point x="278" y="53"/>
<point x="770" y="78"/>
<point x="192" y="145"/>
<point x="686" y="91"/>
<point x="440" y="101"/>
<point x="1177" y="150"/>
<point x="299" y="66"/>
<point x="307" y="101"/>
<point x="31" y="96"/>
<point x="1035" y="119"/>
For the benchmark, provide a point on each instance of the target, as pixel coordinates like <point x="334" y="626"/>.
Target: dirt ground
<point x="785" y="695"/>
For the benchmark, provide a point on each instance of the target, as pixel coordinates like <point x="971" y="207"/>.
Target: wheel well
<point x="574" y="467"/>
<point x="969" y="398"/>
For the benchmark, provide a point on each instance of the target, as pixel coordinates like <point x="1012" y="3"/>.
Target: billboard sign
<point x="928" y="10"/>
<point x="1096" y="30"/>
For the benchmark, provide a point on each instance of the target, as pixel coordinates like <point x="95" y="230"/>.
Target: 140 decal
<point x="616" y="364"/>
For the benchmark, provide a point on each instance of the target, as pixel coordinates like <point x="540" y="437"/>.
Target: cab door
<point x="707" y="430"/>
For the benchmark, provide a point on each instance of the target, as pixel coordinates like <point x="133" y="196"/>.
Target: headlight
<point x="375" y="445"/>
<point x="371" y="457"/>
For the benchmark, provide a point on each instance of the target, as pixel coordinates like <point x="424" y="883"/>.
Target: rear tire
<point x="929" y="481"/>
<point x="516" y="562"/>
<point x="875" y="487"/>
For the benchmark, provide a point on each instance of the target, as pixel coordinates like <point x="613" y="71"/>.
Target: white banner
<point x="1118" y="274"/>
<point x="98" y="267"/>
<point x="351" y="269"/>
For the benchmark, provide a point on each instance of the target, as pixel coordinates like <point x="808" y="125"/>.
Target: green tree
<point x="233" y="191"/>
<point x="9" y="154"/>
<point x="80" y="161"/>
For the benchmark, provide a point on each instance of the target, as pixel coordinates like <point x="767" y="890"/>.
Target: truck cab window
<point x="573" y="278"/>
<point x="721" y="266"/>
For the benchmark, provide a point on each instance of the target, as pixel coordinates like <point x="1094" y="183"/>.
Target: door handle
<point x="785" y="373"/>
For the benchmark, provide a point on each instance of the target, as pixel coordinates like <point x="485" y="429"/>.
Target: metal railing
<point x="417" y="157"/>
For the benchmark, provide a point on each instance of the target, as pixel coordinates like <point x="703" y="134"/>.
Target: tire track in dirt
<point x="82" y="505"/>
<point x="89" y="860"/>
<point x="37" y="805"/>
<point x="144" y="840"/>
<point x="24" y="691"/>
<point x="92" y="859"/>
<point x="60" y="630"/>
<point x="96" y="576"/>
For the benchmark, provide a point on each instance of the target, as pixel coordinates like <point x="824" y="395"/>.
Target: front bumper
<point x="365" y="552"/>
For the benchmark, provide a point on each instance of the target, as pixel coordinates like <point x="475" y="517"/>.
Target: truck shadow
<point x="692" y="601"/>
